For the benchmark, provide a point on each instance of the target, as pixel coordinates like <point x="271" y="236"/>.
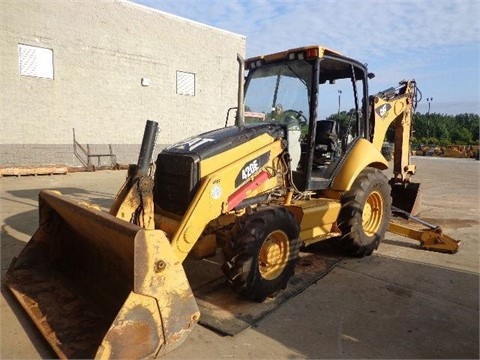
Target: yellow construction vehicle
<point x="461" y="151"/>
<point x="112" y="285"/>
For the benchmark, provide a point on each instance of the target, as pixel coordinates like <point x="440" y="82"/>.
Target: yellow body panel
<point x="382" y="124"/>
<point x="211" y="199"/>
<point x="362" y="155"/>
<point x="226" y="158"/>
<point x="317" y="217"/>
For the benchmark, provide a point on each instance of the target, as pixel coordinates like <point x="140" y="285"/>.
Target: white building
<point x="103" y="68"/>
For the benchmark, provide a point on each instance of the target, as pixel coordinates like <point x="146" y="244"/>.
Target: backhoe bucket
<point x="406" y="197"/>
<point x="100" y="287"/>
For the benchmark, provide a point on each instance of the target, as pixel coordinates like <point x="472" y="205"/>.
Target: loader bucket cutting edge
<point x="407" y="197"/>
<point x="93" y="286"/>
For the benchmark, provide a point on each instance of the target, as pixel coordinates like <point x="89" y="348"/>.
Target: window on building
<point x="35" y="61"/>
<point x="185" y="83"/>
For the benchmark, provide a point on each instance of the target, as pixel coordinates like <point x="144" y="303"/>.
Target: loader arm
<point x="134" y="201"/>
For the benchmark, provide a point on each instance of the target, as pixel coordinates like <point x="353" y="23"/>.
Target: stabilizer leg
<point x="432" y="238"/>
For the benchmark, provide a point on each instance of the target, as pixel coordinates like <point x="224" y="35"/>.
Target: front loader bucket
<point x="100" y="287"/>
<point x="406" y="197"/>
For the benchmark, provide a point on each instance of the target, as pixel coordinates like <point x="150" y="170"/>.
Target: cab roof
<point x="331" y="69"/>
<point x="321" y="52"/>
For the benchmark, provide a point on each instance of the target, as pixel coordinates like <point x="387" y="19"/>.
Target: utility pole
<point x="429" y="101"/>
<point x="339" y="96"/>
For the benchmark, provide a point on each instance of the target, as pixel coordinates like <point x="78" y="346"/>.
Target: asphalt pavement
<point x="401" y="302"/>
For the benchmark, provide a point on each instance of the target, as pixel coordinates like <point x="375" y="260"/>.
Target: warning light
<point x="311" y="53"/>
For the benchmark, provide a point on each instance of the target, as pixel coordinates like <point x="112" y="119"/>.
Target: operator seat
<point x="326" y="136"/>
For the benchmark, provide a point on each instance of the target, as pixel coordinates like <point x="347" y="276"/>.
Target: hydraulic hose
<point x="146" y="150"/>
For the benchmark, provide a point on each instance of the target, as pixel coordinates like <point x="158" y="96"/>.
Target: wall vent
<point x="35" y="61"/>
<point x="185" y="83"/>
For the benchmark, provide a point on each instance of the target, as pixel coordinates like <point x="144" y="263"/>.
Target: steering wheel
<point x="296" y="114"/>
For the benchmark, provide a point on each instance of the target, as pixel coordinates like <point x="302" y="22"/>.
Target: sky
<point x="435" y="42"/>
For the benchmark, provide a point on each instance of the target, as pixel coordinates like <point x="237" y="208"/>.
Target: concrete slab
<point x="226" y="312"/>
<point x="399" y="303"/>
<point x="355" y="315"/>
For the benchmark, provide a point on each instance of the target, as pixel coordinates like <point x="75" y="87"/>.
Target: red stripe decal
<point x="238" y="196"/>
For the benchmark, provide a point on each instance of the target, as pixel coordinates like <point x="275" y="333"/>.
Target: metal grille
<point x="185" y="83"/>
<point x="176" y="182"/>
<point x="35" y="61"/>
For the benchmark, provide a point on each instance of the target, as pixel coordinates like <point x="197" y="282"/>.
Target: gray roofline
<point x="149" y="9"/>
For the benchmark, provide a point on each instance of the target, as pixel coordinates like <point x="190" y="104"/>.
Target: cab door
<point x="338" y="118"/>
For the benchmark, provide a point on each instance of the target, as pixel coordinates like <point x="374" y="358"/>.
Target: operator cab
<point x="319" y="96"/>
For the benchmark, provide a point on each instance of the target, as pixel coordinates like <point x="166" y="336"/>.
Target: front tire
<point x="365" y="213"/>
<point x="263" y="253"/>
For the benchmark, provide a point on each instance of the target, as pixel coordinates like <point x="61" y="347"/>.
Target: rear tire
<point x="365" y="213"/>
<point x="263" y="253"/>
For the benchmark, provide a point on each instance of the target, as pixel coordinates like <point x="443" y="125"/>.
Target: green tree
<point x="447" y="129"/>
<point x="432" y="128"/>
<point x="346" y="121"/>
<point x="462" y="136"/>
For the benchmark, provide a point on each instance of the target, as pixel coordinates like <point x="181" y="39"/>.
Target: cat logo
<point x="191" y="144"/>
<point x="383" y="110"/>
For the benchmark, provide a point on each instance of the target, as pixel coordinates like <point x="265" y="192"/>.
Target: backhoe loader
<point x="112" y="285"/>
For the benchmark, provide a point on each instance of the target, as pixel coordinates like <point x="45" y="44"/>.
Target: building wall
<point x="101" y="52"/>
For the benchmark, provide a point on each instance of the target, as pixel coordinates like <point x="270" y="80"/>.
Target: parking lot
<point x="401" y="302"/>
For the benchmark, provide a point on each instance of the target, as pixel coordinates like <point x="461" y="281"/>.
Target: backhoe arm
<point x="395" y="106"/>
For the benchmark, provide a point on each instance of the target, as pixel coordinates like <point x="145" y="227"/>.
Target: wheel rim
<point x="273" y="255"/>
<point x="372" y="213"/>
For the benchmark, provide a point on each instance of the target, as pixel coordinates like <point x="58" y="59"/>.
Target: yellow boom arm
<point x="395" y="106"/>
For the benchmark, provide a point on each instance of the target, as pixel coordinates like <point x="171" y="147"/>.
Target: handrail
<point x="86" y="152"/>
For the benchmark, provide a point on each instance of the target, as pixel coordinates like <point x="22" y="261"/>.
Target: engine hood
<point x="217" y="141"/>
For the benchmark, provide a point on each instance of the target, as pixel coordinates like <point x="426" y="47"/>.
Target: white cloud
<point x="361" y="27"/>
<point x="398" y="38"/>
